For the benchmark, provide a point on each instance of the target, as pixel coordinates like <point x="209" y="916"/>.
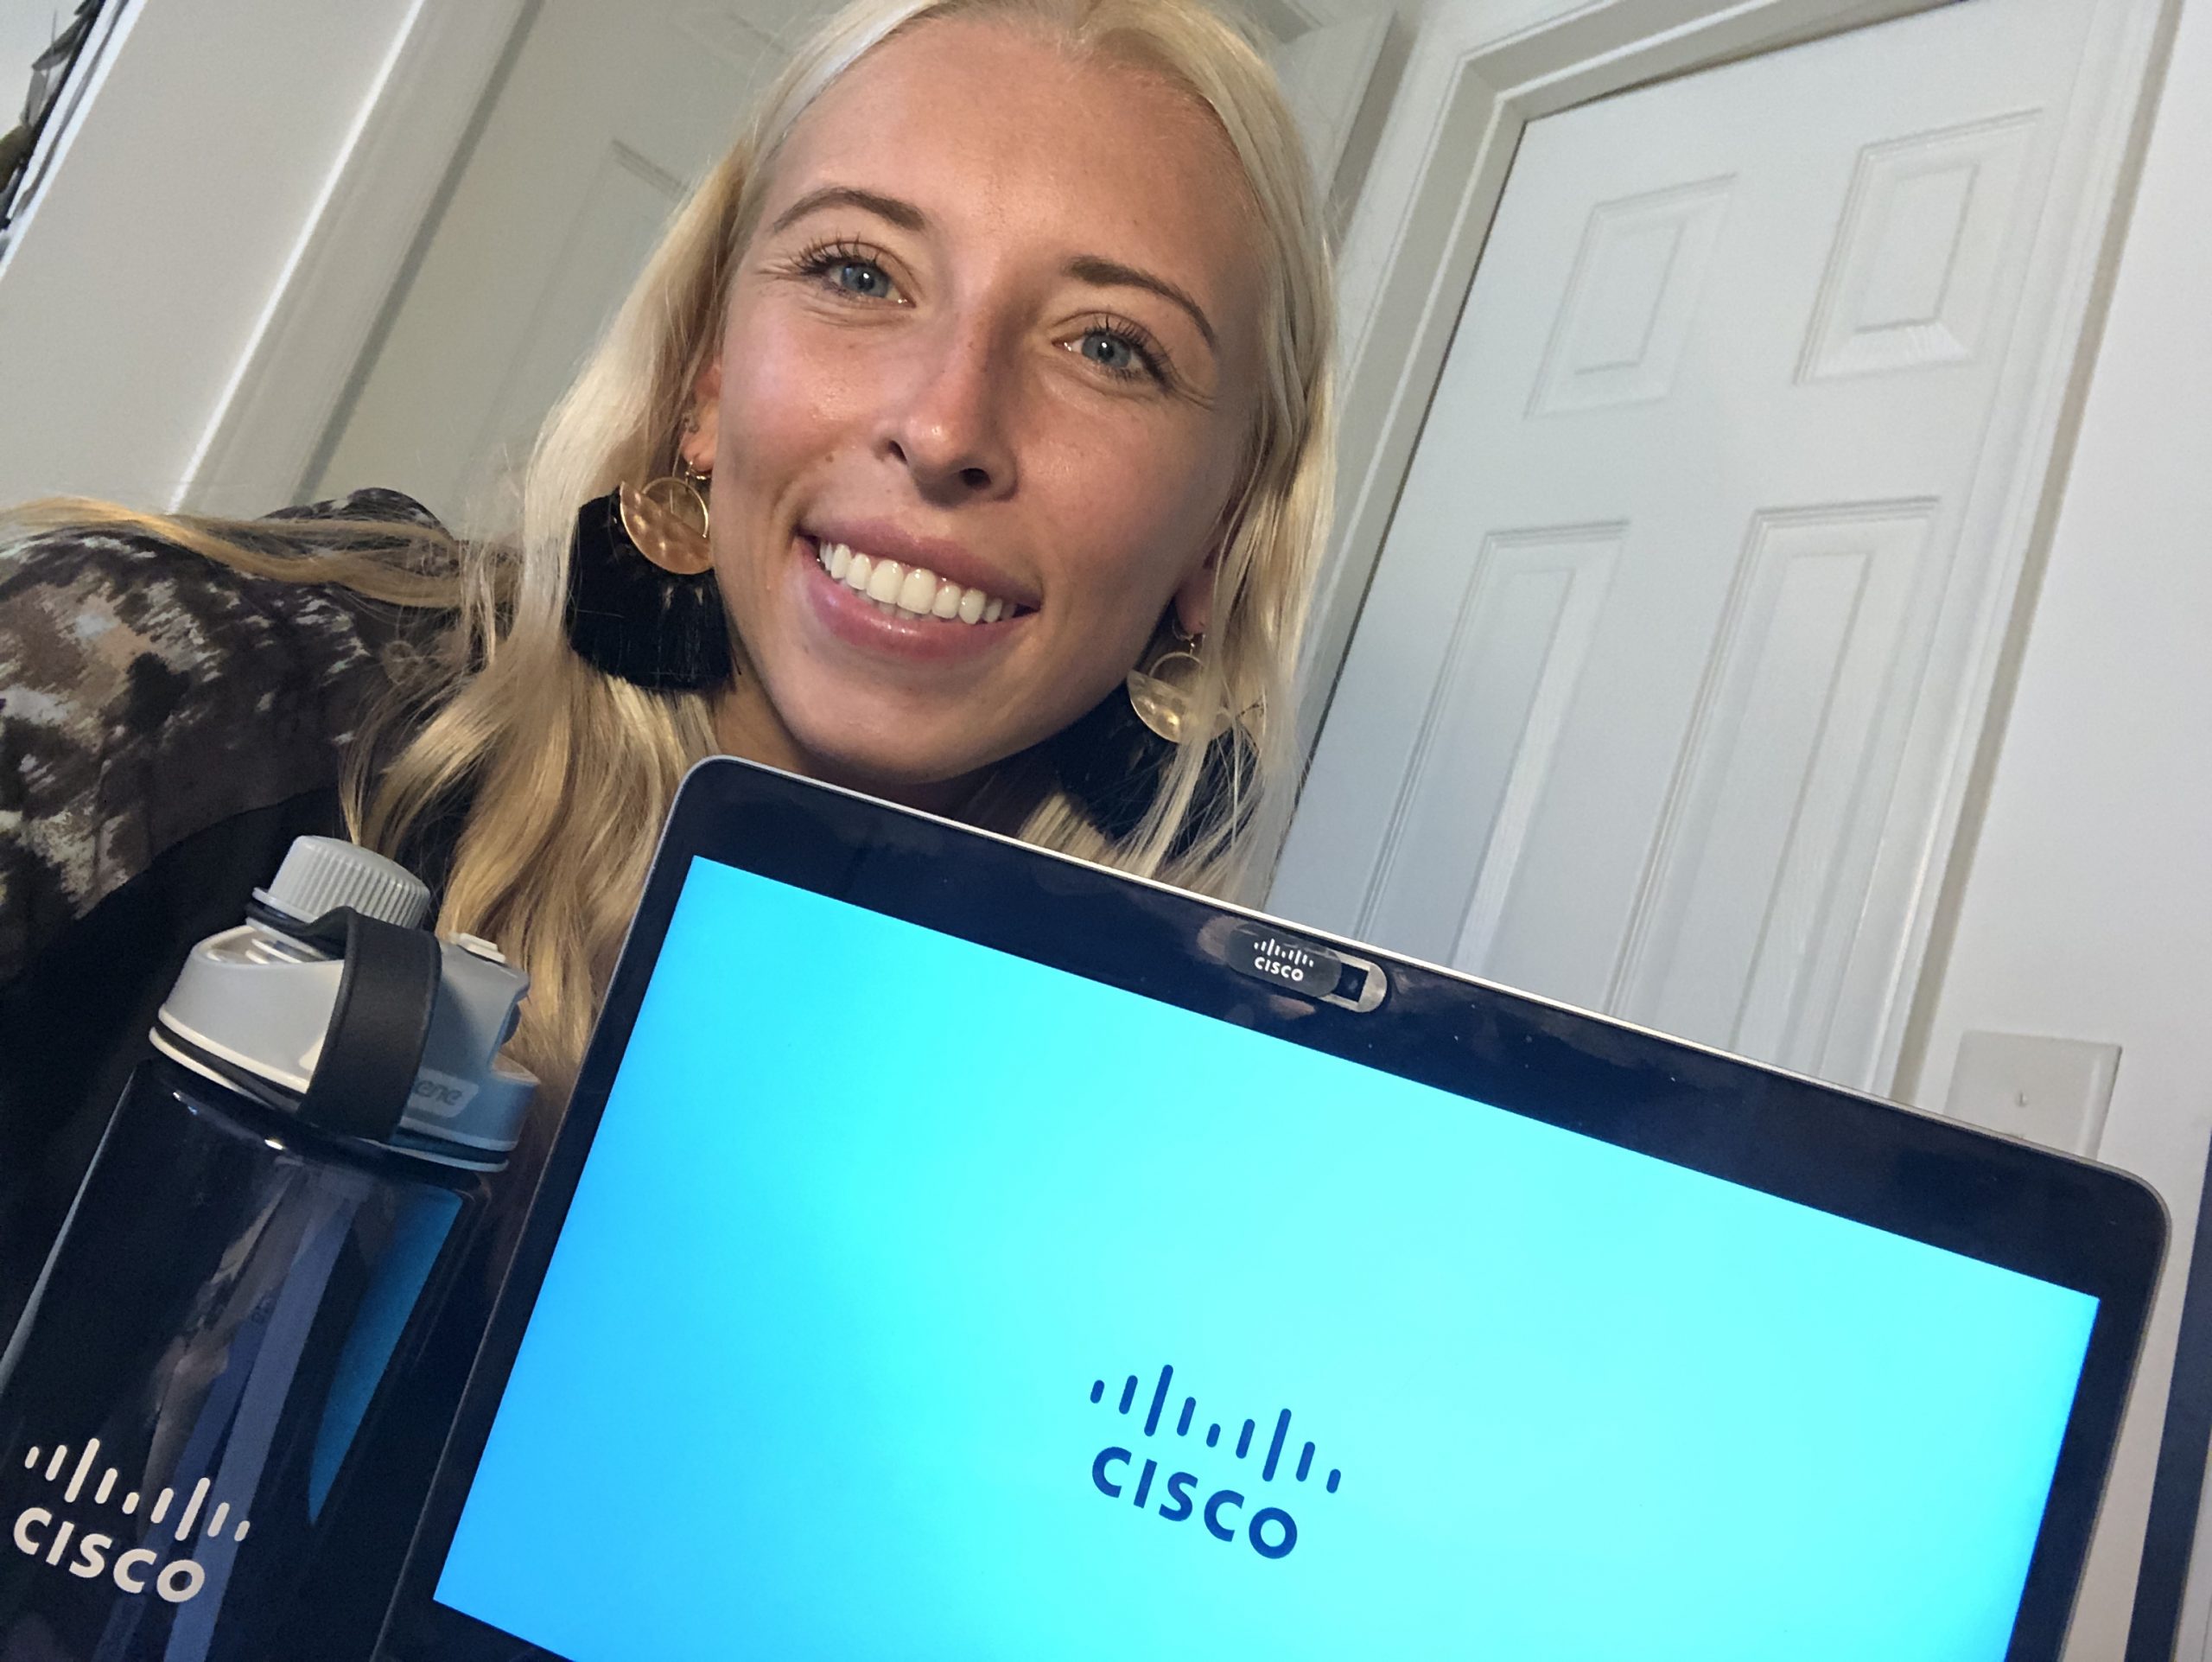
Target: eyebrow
<point x="1088" y="268"/>
<point x="1112" y="274"/>
<point x="905" y="215"/>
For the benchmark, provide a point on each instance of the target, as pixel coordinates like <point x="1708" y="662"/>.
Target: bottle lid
<point x="254" y="1006"/>
<point x="320" y="873"/>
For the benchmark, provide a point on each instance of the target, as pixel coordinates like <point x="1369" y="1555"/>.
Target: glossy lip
<point x="880" y="540"/>
<point x="852" y="618"/>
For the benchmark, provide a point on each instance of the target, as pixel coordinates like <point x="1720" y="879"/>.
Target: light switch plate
<point x="2054" y="1092"/>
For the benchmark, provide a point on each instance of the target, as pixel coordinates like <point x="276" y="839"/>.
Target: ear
<point x="702" y="439"/>
<point x="1194" y="599"/>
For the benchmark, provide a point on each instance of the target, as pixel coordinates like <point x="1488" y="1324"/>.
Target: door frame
<point x="1480" y="72"/>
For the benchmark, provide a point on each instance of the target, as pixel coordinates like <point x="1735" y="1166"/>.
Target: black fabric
<point x="148" y="692"/>
<point x="1113" y="766"/>
<point x="627" y="617"/>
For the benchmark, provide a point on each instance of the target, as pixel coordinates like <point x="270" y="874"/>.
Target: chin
<point x="894" y="766"/>
<point x="901" y="743"/>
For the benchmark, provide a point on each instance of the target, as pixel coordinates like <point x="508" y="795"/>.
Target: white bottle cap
<point x="323" y="873"/>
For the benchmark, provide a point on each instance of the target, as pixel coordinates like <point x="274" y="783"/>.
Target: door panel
<point x="1518" y="645"/>
<point x="1626" y="313"/>
<point x="1781" y="781"/>
<point x="1918" y="256"/>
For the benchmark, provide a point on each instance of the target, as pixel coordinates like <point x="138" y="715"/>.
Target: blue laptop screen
<point x="917" y="1300"/>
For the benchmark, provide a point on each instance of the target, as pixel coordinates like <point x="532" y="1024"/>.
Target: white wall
<point x="2088" y="910"/>
<point x="135" y="285"/>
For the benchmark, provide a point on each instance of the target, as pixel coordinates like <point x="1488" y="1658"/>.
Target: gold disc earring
<point x="666" y="517"/>
<point x="1164" y="692"/>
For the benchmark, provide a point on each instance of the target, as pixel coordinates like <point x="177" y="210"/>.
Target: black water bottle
<point x="264" y="1232"/>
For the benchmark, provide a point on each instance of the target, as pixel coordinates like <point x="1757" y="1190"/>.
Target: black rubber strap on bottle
<point x="379" y="1026"/>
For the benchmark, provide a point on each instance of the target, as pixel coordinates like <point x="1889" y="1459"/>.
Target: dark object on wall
<point x="53" y="72"/>
<point x="2184" y="1448"/>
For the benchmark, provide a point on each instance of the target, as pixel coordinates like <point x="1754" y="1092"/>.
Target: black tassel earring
<point x="1114" y="759"/>
<point x="642" y="603"/>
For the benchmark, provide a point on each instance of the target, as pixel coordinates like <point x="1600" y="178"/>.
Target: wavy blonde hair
<point x="570" y="772"/>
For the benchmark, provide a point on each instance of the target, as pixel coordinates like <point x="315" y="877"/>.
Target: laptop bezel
<point x="2028" y="1209"/>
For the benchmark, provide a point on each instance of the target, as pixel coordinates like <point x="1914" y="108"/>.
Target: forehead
<point x="993" y="127"/>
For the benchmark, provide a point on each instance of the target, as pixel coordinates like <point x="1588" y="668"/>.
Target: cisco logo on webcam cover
<point x="1124" y="1474"/>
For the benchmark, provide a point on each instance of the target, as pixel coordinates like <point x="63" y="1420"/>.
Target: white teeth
<point x="918" y="593"/>
<point x="914" y="591"/>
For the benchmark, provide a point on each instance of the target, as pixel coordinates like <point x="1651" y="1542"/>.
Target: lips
<point x="907" y="625"/>
<point x="914" y="589"/>
<point x="941" y="556"/>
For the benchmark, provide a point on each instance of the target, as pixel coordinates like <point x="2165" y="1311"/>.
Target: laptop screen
<point x="920" y="1300"/>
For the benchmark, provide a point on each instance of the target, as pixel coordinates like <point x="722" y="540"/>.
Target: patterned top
<point x="166" y="725"/>
<point x="147" y="692"/>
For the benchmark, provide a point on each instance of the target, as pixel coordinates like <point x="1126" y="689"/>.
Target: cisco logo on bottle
<point x="160" y="1560"/>
<point x="1270" y="1530"/>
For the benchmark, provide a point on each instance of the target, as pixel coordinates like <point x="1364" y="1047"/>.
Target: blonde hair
<point x="571" y="772"/>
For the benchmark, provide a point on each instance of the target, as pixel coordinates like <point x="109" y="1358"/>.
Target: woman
<point x="998" y="350"/>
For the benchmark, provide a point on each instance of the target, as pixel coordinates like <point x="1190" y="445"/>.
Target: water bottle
<point x="268" y="1227"/>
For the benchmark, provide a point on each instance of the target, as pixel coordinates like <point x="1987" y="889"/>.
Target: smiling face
<point x="989" y="366"/>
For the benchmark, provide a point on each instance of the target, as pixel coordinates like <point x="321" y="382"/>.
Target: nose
<point x="949" y="420"/>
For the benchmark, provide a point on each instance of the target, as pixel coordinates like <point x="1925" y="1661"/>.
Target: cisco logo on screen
<point x="1226" y="1510"/>
<point x="46" y="1531"/>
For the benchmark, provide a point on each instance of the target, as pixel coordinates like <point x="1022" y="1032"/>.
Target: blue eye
<point x="1119" y="352"/>
<point x="864" y="278"/>
<point x="846" y="269"/>
<point x="1113" y="351"/>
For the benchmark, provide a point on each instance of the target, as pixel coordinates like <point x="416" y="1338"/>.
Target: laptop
<point x="2159" y="1628"/>
<point x="954" y="1250"/>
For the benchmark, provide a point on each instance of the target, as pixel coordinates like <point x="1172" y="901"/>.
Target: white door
<point x="1648" y="704"/>
<point x="604" y="115"/>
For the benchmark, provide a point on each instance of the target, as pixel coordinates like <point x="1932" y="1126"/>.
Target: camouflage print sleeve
<point x="147" y="692"/>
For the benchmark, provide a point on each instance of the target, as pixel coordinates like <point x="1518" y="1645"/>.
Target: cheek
<point x="790" y="386"/>
<point x="773" y="409"/>
<point x="1139" y="514"/>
